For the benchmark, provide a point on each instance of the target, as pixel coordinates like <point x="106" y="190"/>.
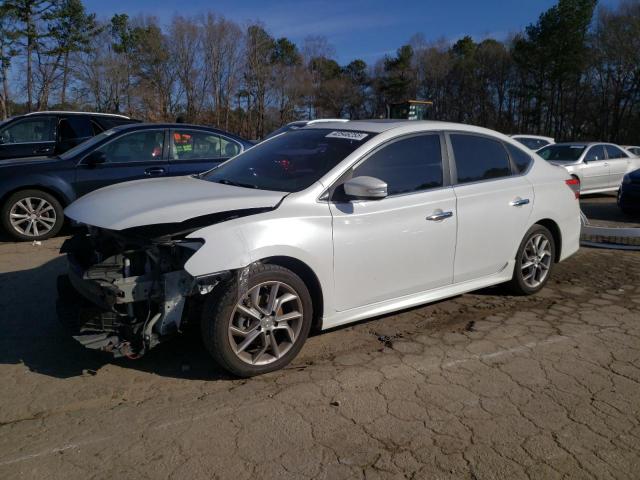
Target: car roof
<point x="525" y="135"/>
<point x="383" y="125"/>
<point x="583" y="144"/>
<point x="148" y="125"/>
<point x="69" y="112"/>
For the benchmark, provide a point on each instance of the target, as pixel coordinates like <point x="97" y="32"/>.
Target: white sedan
<point x="597" y="167"/>
<point x="316" y="227"/>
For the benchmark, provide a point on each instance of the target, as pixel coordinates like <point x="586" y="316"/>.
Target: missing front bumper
<point x="124" y="299"/>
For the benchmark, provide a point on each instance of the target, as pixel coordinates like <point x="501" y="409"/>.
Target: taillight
<point x="574" y="184"/>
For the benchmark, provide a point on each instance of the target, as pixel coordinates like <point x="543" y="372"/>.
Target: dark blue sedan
<point x="629" y="193"/>
<point x="34" y="191"/>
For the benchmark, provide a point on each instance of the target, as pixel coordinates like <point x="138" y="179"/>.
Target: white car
<point x="318" y="227"/>
<point x="534" y="142"/>
<point x="598" y="167"/>
<point x="303" y="123"/>
<point x="633" y="149"/>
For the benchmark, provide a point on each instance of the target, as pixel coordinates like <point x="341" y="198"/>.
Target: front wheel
<point x="32" y="215"/>
<point x="534" y="261"/>
<point x="257" y="325"/>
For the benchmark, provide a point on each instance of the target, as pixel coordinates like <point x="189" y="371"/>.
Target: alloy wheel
<point x="265" y="323"/>
<point x="32" y="216"/>
<point x="536" y="260"/>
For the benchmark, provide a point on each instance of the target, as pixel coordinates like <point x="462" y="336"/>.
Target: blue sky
<point x="356" y="28"/>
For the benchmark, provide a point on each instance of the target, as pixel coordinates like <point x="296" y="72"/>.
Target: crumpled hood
<point x="164" y="200"/>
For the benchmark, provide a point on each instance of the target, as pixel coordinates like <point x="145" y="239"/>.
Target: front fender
<point x="63" y="189"/>
<point x="305" y="235"/>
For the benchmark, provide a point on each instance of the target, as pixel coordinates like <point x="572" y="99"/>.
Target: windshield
<point x="290" y="162"/>
<point x="562" y="153"/>
<point x="86" y="145"/>
<point x="532" y="143"/>
<point x="286" y="128"/>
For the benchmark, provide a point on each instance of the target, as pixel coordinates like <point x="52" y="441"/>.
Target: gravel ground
<point x="481" y="386"/>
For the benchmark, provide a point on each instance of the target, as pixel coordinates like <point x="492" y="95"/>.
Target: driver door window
<point x="145" y="146"/>
<point x="410" y="165"/>
<point x="30" y="130"/>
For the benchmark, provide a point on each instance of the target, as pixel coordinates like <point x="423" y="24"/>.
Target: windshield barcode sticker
<point x="348" y="135"/>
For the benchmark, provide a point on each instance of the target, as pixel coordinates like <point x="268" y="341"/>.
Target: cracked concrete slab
<point x="481" y="386"/>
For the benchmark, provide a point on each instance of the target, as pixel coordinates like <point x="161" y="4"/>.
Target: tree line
<point x="574" y="74"/>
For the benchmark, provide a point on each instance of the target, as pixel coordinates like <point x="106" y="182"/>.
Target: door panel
<point x="490" y="225"/>
<point x="401" y="244"/>
<point x="595" y="169"/>
<point x="493" y="206"/>
<point x="384" y="249"/>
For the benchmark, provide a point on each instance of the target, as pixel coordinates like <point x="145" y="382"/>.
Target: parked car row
<point x="35" y="190"/>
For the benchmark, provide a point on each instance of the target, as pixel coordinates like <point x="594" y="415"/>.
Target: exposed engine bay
<point x="125" y="294"/>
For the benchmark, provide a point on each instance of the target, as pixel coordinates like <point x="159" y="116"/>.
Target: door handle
<point x="439" y="215"/>
<point x="43" y="150"/>
<point x="518" y="202"/>
<point x="154" y="171"/>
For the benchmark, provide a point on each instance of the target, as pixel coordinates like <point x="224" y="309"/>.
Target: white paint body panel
<point x="370" y="257"/>
<point x="382" y="248"/>
<point x="490" y="229"/>
<point x="160" y="200"/>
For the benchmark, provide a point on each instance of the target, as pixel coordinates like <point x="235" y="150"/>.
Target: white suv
<point x="320" y="226"/>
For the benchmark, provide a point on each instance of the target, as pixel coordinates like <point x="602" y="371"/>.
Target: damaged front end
<point x="124" y="294"/>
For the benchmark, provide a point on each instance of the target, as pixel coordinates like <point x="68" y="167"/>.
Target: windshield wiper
<point x="224" y="181"/>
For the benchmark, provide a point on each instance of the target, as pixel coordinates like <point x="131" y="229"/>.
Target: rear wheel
<point x="32" y="215"/>
<point x="258" y="327"/>
<point x="534" y="261"/>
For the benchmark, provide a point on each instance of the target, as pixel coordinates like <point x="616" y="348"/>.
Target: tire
<point x="225" y="327"/>
<point x="47" y="223"/>
<point x="522" y="283"/>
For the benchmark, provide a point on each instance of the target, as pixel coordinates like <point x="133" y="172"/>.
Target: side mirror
<point x="366" y="188"/>
<point x="95" y="158"/>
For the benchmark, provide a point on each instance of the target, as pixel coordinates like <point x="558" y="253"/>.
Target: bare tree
<point x="186" y="49"/>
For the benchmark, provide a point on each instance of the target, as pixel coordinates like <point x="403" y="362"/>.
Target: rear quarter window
<point x="521" y="159"/>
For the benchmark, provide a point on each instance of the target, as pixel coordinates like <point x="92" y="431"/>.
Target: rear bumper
<point x="629" y="197"/>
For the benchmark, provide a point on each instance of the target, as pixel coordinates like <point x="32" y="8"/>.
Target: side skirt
<point x="408" y="301"/>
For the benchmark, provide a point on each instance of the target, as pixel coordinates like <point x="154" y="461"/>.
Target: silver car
<point x="634" y="149"/>
<point x="599" y="167"/>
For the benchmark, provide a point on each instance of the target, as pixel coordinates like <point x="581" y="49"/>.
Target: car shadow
<point x="32" y="335"/>
<point x="603" y="207"/>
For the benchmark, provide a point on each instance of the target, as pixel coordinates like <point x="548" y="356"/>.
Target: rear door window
<point x="521" y="160"/>
<point x="74" y="127"/>
<point x="479" y="158"/>
<point x="195" y="145"/>
<point x="595" y="153"/>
